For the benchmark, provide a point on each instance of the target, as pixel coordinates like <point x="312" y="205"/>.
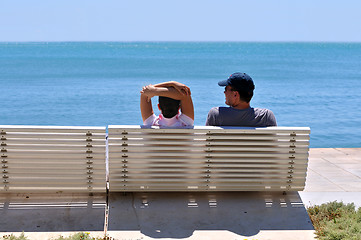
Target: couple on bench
<point x="175" y="96"/>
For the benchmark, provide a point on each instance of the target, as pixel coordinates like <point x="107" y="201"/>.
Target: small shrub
<point x="12" y="237"/>
<point x="83" y="236"/>
<point x="77" y="236"/>
<point x="336" y="221"/>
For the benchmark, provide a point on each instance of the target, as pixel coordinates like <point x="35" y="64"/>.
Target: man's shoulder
<point x="267" y="116"/>
<point x="214" y="110"/>
<point x="262" y="111"/>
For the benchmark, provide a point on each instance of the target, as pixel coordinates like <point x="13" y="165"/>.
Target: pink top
<point x="179" y="120"/>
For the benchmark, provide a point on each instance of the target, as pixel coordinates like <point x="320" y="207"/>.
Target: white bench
<point x="207" y="159"/>
<point x="52" y="159"/>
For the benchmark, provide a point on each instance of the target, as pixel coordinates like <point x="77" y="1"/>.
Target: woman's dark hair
<point x="168" y="106"/>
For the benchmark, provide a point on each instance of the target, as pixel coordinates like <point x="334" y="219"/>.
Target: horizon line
<point x="174" y="41"/>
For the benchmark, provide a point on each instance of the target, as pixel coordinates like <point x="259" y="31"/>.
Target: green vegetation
<point x="76" y="236"/>
<point x="83" y="236"/>
<point x="12" y="237"/>
<point x="336" y="221"/>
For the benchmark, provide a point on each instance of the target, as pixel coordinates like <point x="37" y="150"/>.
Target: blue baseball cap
<point x="239" y="81"/>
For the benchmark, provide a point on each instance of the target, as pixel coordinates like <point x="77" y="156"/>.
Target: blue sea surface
<point x="98" y="83"/>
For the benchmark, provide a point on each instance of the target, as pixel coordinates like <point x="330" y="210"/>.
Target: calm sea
<point x="85" y="83"/>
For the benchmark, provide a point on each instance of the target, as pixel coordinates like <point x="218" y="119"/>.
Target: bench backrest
<point x="52" y="159"/>
<point x="207" y="159"/>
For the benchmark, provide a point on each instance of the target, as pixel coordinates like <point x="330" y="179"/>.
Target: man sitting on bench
<point x="238" y="93"/>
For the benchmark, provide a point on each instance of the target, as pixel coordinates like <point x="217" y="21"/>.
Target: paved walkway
<point x="333" y="174"/>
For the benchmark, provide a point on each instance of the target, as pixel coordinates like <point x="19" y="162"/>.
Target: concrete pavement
<point x="221" y="215"/>
<point x="333" y="174"/>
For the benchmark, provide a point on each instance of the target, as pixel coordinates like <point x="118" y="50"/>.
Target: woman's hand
<point x="148" y="91"/>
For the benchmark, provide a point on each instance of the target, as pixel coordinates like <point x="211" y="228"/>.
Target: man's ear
<point x="237" y="96"/>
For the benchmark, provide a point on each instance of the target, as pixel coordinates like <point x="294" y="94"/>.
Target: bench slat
<point x="204" y="148"/>
<point x="137" y="128"/>
<point x="74" y="142"/>
<point x="44" y="136"/>
<point x="213" y="137"/>
<point x="120" y="143"/>
<point x="209" y="154"/>
<point x="52" y="129"/>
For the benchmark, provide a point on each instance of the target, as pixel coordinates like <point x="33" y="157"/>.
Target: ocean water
<point x="98" y="83"/>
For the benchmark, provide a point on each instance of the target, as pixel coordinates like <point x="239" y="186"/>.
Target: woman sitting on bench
<point x="172" y="97"/>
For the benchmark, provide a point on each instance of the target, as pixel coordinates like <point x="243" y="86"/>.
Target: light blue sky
<point x="186" y="20"/>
